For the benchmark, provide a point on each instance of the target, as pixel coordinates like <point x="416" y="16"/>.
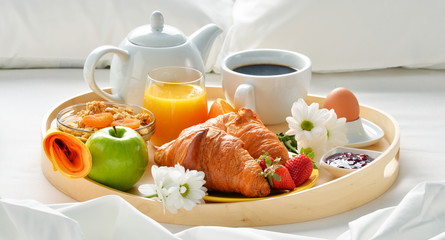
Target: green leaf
<point x="269" y="178"/>
<point x="308" y="152"/>
<point x="152" y="196"/>
<point x="289" y="142"/>
<point x="277" y="160"/>
<point x="276" y="177"/>
<point x="310" y="155"/>
<point x="268" y="161"/>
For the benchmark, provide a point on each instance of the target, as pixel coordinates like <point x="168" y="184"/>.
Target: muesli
<point x="77" y="127"/>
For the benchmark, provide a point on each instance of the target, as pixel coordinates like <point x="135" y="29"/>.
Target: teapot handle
<point x="90" y="66"/>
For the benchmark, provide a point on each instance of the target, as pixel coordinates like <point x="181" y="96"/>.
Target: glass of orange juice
<point x="178" y="99"/>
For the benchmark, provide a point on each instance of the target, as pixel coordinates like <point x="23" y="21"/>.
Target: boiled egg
<point x="344" y="103"/>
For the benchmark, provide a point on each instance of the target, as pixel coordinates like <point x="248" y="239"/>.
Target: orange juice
<point x="176" y="107"/>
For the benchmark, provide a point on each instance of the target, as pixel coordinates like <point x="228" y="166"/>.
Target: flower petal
<point x="147" y="189"/>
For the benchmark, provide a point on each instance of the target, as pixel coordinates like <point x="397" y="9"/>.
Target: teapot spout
<point x="203" y="39"/>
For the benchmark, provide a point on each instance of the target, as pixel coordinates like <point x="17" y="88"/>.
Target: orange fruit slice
<point x="98" y="120"/>
<point x="127" y="122"/>
<point x="220" y="107"/>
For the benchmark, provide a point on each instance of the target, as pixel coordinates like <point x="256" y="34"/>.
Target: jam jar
<point x="349" y="160"/>
<point x="340" y="161"/>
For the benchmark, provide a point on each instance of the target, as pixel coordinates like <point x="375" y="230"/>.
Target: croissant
<point x="228" y="167"/>
<point x="247" y="126"/>
<point x="225" y="149"/>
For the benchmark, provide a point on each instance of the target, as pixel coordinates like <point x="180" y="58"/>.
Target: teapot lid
<point x="156" y="34"/>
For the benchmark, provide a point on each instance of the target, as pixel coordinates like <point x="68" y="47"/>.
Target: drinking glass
<point x="178" y="99"/>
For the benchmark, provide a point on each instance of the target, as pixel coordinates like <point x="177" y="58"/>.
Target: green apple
<point x="120" y="157"/>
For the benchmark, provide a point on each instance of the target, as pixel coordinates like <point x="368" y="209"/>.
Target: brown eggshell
<point x="344" y="103"/>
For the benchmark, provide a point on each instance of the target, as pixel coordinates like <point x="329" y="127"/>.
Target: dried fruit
<point x="127" y="122"/>
<point x="98" y="120"/>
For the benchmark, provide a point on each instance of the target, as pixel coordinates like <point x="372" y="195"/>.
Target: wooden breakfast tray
<point x="328" y="197"/>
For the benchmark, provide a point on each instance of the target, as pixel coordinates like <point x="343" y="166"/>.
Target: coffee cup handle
<point x="90" y="66"/>
<point x="245" y="96"/>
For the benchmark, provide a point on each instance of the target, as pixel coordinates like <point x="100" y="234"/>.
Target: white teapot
<point x="145" y="48"/>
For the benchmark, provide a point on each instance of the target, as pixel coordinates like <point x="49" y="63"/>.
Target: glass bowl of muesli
<point x="82" y="120"/>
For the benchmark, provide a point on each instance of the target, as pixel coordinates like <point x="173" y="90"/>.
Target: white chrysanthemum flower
<point x="306" y="121"/>
<point x="336" y="130"/>
<point x="189" y="191"/>
<point x="317" y="145"/>
<point x="163" y="181"/>
<point x="175" y="187"/>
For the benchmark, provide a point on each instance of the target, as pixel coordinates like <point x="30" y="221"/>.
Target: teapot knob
<point x="156" y="34"/>
<point x="157" y="21"/>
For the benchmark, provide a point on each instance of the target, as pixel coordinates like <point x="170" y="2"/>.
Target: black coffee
<point x="264" y="69"/>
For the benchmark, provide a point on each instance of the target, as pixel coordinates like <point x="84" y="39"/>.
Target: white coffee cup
<point x="270" y="96"/>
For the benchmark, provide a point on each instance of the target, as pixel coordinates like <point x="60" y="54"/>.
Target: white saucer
<point x="362" y="133"/>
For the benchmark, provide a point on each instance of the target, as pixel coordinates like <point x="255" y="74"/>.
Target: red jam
<point x="348" y="160"/>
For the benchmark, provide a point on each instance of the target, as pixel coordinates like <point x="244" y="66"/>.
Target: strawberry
<point x="284" y="181"/>
<point x="300" y="168"/>
<point x="279" y="177"/>
<point x="277" y="174"/>
<point x="266" y="161"/>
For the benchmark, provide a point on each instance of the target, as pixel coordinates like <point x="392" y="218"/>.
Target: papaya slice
<point x="68" y="154"/>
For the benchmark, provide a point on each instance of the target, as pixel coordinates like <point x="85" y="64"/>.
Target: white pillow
<point x="51" y="33"/>
<point x="343" y="35"/>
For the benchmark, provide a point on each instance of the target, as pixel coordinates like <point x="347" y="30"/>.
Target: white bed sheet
<point x="342" y="35"/>
<point x="415" y="98"/>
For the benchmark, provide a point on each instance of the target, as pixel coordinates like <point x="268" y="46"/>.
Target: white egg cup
<point x="362" y="133"/>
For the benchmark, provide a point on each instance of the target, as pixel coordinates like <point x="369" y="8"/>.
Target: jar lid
<point x="156" y="34"/>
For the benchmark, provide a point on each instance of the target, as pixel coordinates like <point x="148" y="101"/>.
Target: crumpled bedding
<point x="414" y="97"/>
<point x="420" y="215"/>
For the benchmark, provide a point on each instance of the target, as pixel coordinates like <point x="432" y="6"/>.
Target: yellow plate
<point x="235" y="197"/>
